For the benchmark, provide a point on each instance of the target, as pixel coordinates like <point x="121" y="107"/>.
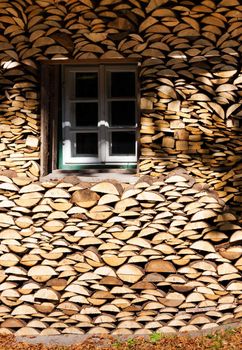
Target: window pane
<point x="122" y="113"/>
<point x="87" y="84"/>
<point x="87" y="144"/>
<point x="123" y="143"/>
<point x="122" y="84"/>
<point x="86" y="114"/>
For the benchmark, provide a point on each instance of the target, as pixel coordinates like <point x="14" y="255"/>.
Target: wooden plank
<point x="50" y="93"/>
<point x="44" y="122"/>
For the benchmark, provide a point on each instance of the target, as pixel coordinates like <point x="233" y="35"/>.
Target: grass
<point x="230" y="339"/>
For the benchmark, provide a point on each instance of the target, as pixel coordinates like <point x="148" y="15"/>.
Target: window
<point x="99" y="118"/>
<point x="89" y="115"/>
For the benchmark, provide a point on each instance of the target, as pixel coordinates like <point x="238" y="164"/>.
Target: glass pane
<point x="86" y="114"/>
<point x="87" y="84"/>
<point x="123" y="143"/>
<point x="122" y="113"/>
<point x="122" y="84"/>
<point x="87" y="144"/>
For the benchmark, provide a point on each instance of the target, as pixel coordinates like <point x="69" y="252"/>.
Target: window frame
<point x="104" y="128"/>
<point x="51" y="110"/>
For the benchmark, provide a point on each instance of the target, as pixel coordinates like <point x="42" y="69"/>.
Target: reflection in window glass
<point x="87" y="144"/>
<point x="87" y="84"/>
<point x="122" y="84"/>
<point x="122" y="113"/>
<point x="123" y="143"/>
<point x="86" y="114"/>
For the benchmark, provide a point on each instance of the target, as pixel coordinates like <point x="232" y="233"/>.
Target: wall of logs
<point x="162" y="255"/>
<point x="190" y="56"/>
<point x="166" y="253"/>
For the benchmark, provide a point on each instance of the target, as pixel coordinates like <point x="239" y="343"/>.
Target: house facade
<point x="152" y="87"/>
<point x="162" y="87"/>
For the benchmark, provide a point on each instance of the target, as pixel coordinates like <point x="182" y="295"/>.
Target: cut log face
<point x="28" y="200"/>
<point x="6" y="220"/>
<point x="160" y="265"/>
<point x="203" y="214"/>
<point x="53" y="226"/>
<point x="107" y="187"/>
<point x="57" y="193"/>
<point x="130" y="273"/>
<point x="85" y="198"/>
<point x="203" y="246"/>
<point x="149" y="196"/>
<point x="113" y="260"/>
<point x="41" y="273"/>
<point x="9" y="259"/>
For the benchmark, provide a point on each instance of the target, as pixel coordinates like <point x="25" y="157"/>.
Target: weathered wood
<point x="124" y="259"/>
<point x="41" y="273"/>
<point x="85" y="198"/>
<point x="130" y="273"/>
<point x="107" y="187"/>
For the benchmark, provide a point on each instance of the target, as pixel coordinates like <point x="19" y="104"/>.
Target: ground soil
<point x="227" y="339"/>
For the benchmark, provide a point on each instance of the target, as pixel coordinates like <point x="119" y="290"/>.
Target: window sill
<point x="95" y="175"/>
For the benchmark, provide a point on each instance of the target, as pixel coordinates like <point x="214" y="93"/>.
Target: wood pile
<point x="227" y="183"/>
<point x="161" y="255"/>
<point x="190" y="78"/>
<point x="164" y="254"/>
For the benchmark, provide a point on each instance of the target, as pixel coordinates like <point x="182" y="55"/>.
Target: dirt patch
<point x="226" y="339"/>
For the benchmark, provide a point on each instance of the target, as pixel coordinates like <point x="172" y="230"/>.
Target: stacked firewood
<point x="190" y="77"/>
<point x="161" y="255"/>
<point x="227" y="183"/>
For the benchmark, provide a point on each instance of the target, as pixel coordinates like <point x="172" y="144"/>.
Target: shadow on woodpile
<point x="160" y="255"/>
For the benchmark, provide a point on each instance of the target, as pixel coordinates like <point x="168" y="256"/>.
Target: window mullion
<point x="67" y="91"/>
<point x="102" y="127"/>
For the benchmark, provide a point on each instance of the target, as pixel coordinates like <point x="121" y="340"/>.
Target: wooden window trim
<point x="50" y="93"/>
